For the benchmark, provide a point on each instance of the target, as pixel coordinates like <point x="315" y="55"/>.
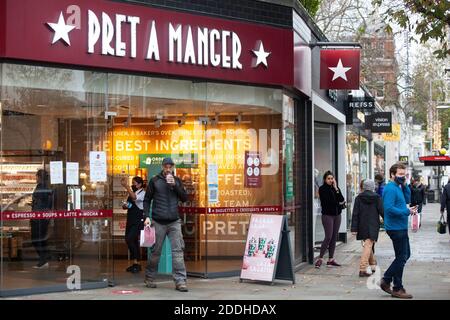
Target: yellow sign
<point x="394" y="135"/>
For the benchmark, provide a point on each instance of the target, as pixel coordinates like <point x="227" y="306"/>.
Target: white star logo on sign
<point x="339" y="71"/>
<point x="261" y="55"/>
<point x="61" y="30"/>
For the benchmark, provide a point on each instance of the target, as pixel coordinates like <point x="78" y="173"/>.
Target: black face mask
<point x="134" y="188"/>
<point x="400" y="180"/>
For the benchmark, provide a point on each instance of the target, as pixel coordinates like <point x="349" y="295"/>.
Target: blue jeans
<point x="400" y="240"/>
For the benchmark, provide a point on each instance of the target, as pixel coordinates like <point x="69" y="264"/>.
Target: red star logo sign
<point x="339" y="69"/>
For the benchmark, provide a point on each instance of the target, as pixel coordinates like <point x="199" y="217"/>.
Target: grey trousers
<point x="173" y="231"/>
<point x="331" y="226"/>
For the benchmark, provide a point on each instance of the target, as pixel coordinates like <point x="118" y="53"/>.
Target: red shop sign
<point x="107" y="34"/>
<point x="225" y="210"/>
<point x="94" y="214"/>
<point x="339" y="69"/>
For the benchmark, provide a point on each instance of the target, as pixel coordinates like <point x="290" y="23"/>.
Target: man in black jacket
<point x="166" y="190"/>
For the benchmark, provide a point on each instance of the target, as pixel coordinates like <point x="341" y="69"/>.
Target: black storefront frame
<point x="303" y="171"/>
<point x="305" y="125"/>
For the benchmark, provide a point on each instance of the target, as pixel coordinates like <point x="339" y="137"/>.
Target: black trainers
<point x="136" y="268"/>
<point x="41" y="265"/>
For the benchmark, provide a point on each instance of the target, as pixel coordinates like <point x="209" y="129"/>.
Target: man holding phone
<point x="396" y="196"/>
<point x="166" y="190"/>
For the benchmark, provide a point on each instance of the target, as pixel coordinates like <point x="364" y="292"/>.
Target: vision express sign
<point x="379" y="122"/>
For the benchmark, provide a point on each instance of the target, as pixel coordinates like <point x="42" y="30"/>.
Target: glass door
<point x="55" y="207"/>
<point x="244" y="166"/>
<point x="155" y="118"/>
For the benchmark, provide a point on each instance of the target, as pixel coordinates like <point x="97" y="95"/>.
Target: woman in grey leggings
<point x="332" y="201"/>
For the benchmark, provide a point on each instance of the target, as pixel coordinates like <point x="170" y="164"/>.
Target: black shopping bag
<point x="442" y="225"/>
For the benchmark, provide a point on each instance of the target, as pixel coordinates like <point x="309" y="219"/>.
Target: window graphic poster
<point x="261" y="249"/>
<point x="213" y="183"/>
<point x="97" y="162"/>
<point x="289" y="174"/>
<point x="252" y="169"/>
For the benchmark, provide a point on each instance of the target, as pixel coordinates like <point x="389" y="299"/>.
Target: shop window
<point x="68" y="121"/>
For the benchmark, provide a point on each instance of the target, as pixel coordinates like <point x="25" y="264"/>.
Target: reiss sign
<point x="105" y="34"/>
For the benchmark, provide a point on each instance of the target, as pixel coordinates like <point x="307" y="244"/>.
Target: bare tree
<point x="343" y="19"/>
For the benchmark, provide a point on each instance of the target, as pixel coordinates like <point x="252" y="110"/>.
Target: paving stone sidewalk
<point x="427" y="276"/>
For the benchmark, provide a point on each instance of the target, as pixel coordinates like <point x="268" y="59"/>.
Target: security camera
<point x="238" y="118"/>
<point x="182" y="121"/>
<point x="203" y="120"/>
<point x="215" y="120"/>
<point x="110" y="114"/>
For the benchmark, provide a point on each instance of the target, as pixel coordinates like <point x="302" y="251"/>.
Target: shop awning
<point x="435" y="160"/>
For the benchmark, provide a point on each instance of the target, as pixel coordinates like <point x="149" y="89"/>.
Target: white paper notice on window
<point x="72" y="173"/>
<point x="213" y="173"/>
<point x="56" y="172"/>
<point x="213" y="193"/>
<point x="97" y="166"/>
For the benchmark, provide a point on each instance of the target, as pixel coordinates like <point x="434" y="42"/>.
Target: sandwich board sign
<point x="267" y="254"/>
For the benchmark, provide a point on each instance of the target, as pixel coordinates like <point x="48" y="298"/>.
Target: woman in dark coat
<point x="135" y="219"/>
<point x="332" y="202"/>
<point x="367" y="210"/>
<point x="418" y="196"/>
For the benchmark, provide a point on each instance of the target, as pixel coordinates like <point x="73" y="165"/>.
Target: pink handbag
<point x="147" y="238"/>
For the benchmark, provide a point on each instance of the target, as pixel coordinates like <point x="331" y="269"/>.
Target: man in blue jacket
<point x="396" y="196"/>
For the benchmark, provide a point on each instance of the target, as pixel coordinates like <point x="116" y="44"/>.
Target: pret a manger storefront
<point x="99" y="90"/>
